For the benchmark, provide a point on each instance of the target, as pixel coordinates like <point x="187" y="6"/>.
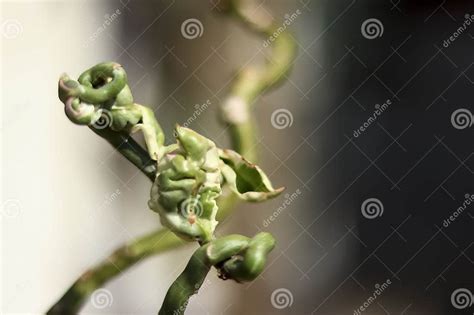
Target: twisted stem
<point x="248" y="85"/>
<point x="130" y="149"/>
<point x="251" y="82"/>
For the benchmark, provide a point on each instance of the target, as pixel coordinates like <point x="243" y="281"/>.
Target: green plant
<point x="194" y="183"/>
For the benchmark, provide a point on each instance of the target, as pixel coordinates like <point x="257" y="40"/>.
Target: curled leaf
<point x="102" y="99"/>
<point x="246" y="179"/>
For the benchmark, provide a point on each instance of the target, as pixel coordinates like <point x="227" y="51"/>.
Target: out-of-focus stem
<point x="253" y="81"/>
<point x="120" y="260"/>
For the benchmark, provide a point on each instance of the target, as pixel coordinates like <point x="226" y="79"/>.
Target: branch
<point x="123" y="258"/>
<point x="130" y="149"/>
<point x="249" y="84"/>
<point x="236" y="257"/>
<point x="253" y="81"/>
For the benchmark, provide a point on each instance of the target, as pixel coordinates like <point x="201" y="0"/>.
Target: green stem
<point x="236" y="257"/>
<point x="252" y="81"/>
<point x="130" y="149"/>
<point x="249" y="84"/>
<point x="246" y="86"/>
<point x="124" y="257"/>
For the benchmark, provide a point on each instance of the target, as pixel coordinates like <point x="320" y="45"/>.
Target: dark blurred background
<point x="370" y="208"/>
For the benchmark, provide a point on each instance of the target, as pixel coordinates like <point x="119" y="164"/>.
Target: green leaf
<point x="246" y="179"/>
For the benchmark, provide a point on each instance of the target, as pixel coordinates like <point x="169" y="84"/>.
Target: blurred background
<point x="375" y="153"/>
